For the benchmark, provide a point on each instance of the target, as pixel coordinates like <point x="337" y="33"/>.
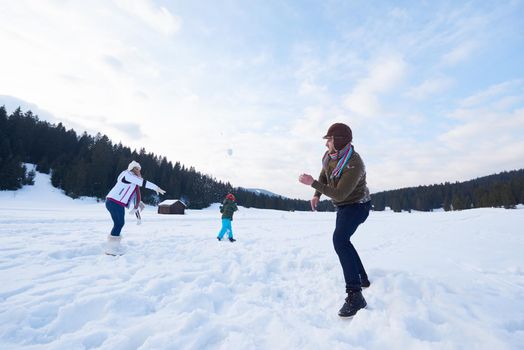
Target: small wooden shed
<point x="172" y="206"/>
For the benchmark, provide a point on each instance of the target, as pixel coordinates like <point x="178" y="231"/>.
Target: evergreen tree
<point x="29" y="178"/>
<point x="12" y="174"/>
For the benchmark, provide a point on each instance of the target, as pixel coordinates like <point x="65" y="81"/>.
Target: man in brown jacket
<point x="343" y="179"/>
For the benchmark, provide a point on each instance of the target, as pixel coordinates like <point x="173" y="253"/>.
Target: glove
<point x="159" y="191"/>
<point x="141" y="207"/>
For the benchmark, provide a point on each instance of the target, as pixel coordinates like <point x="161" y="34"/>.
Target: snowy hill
<point x="440" y="280"/>
<point x="41" y="196"/>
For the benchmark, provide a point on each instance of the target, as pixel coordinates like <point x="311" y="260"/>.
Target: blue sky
<point x="244" y="90"/>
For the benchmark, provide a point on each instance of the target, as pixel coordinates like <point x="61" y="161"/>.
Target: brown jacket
<point x="349" y="188"/>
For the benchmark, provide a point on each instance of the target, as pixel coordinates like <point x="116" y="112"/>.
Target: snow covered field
<point x="439" y="280"/>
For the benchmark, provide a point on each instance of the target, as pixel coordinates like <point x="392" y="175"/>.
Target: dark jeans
<point x="349" y="217"/>
<point x="117" y="214"/>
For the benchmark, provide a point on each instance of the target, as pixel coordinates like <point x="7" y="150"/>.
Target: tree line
<point x="85" y="165"/>
<point x="505" y="189"/>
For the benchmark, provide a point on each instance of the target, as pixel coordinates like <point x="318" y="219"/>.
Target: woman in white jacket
<point x="125" y="193"/>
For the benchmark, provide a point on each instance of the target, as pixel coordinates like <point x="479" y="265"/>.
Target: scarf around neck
<point x="136" y="197"/>
<point x="342" y="156"/>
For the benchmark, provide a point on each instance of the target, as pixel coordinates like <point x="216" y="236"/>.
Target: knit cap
<point x="132" y="165"/>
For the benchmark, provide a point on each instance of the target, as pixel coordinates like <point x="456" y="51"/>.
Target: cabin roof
<point x="169" y="202"/>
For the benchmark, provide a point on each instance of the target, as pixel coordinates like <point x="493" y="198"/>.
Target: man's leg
<point x="348" y="219"/>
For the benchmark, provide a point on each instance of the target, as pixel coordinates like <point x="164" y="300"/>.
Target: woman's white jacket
<point x="127" y="187"/>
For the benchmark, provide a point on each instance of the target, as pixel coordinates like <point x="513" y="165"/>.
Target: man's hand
<point x="306" y="179"/>
<point x="159" y="191"/>
<point x="314" y="202"/>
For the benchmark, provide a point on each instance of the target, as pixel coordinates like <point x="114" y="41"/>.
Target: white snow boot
<point x="114" y="247"/>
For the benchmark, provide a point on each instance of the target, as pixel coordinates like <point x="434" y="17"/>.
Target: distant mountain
<point x="259" y="191"/>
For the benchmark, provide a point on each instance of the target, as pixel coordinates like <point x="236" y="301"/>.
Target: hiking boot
<point x="354" y="302"/>
<point x="232" y="240"/>
<point x="364" y="282"/>
<point x="219" y="239"/>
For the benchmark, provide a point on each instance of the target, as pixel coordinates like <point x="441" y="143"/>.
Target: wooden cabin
<point x="172" y="206"/>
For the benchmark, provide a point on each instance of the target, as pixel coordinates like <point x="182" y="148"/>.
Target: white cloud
<point x="313" y="120"/>
<point x="486" y="139"/>
<point x="482" y="136"/>
<point x="383" y="75"/>
<point x="493" y="91"/>
<point x="158" y="18"/>
<point x="399" y="13"/>
<point x="363" y="103"/>
<point x="460" y="53"/>
<point x="309" y="88"/>
<point x="429" y="87"/>
<point x="488" y="129"/>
